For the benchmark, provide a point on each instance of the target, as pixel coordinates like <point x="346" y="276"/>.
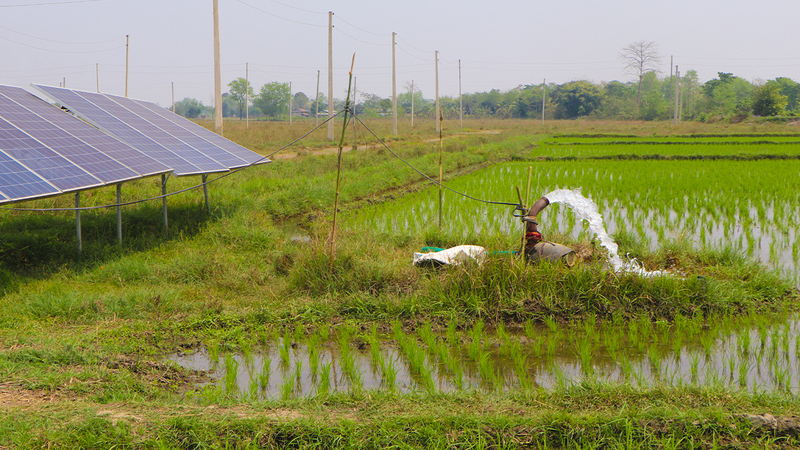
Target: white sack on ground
<point x="451" y="256"/>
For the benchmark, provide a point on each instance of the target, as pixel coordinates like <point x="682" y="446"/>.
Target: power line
<point x="61" y="42"/>
<point x="51" y="4"/>
<point x="359" y="40"/>
<point x="59" y="51"/>
<point x="279" y="17"/>
<point x="361" y="29"/>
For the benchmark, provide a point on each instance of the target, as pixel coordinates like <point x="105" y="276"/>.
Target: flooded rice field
<point x="752" y="206"/>
<point x="752" y="353"/>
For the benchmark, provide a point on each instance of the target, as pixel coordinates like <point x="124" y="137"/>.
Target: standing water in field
<point x="586" y="209"/>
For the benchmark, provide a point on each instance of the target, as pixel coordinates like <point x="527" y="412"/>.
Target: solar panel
<point x="214" y="152"/>
<point x="115" y="149"/>
<point x="158" y="135"/>
<point x="73" y="149"/>
<point x="17" y="182"/>
<point x="51" y="166"/>
<point x="235" y="149"/>
<point x="119" y="129"/>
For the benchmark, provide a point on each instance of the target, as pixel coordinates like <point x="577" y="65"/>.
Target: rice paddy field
<point x="242" y="327"/>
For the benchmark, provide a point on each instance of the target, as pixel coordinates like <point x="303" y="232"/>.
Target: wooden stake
<point x="441" y="191"/>
<point x="339" y="163"/>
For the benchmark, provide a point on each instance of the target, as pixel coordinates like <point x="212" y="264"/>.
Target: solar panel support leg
<point x="205" y="192"/>
<point x="78" y="222"/>
<point x="119" y="215"/>
<point x="164" y="199"/>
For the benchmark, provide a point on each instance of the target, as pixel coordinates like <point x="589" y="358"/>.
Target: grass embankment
<point x="81" y="335"/>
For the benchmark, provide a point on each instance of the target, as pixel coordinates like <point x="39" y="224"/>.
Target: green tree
<point x="791" y="90"/>
<point x="576" y="99"/>
<point x="273" y="99"/>
<point x="189" y="107"/>
<point x="301" y="100"/>
<point x="768" y="101"/>
<point x="619" y="100"/>
<point x="727" y="95"/>
<point x="240" y="92"/>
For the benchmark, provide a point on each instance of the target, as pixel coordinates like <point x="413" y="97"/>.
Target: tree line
<point x="650" y="97"/>
<point x="723" y="97"/>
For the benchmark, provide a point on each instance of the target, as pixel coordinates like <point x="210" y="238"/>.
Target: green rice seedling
<point x="693" y="366"/>
<point x="298" y="374"/>
<point x="231" y="373"/>
<point x="254" y="384"/>
<point x="529" y="331"/>
<point x="552" y="342"/>
<point x="502" y="334"/>
<point x="486" y="369"/>
<point x="213" y="353"/>
<point x="551" y="324"/>
<point x="654" y="356"/>
<point x="731" y="366"/>
<point x="324" y="384"/>
<point x="285" y="349"/>
<point x="263" y="377"/>
<point x="585" y="352"/>
<point x="324" y="334"/>
<point x="521" y="369"/>
<point x="743" y="342"/>
<point x="390" y="370"/>
<point x="707" y="341"/>
<point x="287" y="387"/>
<point x="452" y="334"/>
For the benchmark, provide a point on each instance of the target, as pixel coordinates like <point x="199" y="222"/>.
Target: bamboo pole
<point x="441" y="191"/>
<point x="339" y="163"/>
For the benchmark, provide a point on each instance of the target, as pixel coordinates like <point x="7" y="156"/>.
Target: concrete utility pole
<point x="544" y="95"/>
<point x="247" y="95"/>
<point x="436" y="116"/>
<point x="316" y="109"/>
<point x="460" y="100"/>
<point x="394" y="88"/>
<point x="217" y="74"/>
<point x="677" y="78"/>
<point x="330" y="75"/>
<point x="412" y="103"/>
<point x="127" y="60"/>
<point x="670" y="93"/>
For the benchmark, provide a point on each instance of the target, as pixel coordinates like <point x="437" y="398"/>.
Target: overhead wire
<point x="60" y="51"/>
<point x="68" y="2"/>
<point x="62" y="42"/>
<point x="279" y="17"/>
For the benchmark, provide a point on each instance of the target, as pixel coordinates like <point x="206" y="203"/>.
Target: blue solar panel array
<point x="186" y="147"/>
<point x="45" y="151"/>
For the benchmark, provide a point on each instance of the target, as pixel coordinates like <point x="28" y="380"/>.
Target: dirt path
<point x="291" y="154"/>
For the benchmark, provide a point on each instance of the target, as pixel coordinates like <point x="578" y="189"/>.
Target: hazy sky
<point x="501" y="44"/>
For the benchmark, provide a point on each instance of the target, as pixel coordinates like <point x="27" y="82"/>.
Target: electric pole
<point x="217" y="74"/>
<point x="394" y="88"/>
<point x="127" y="60"/>
<point x="436" y="116"/>
<point x="330" y="75"/>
